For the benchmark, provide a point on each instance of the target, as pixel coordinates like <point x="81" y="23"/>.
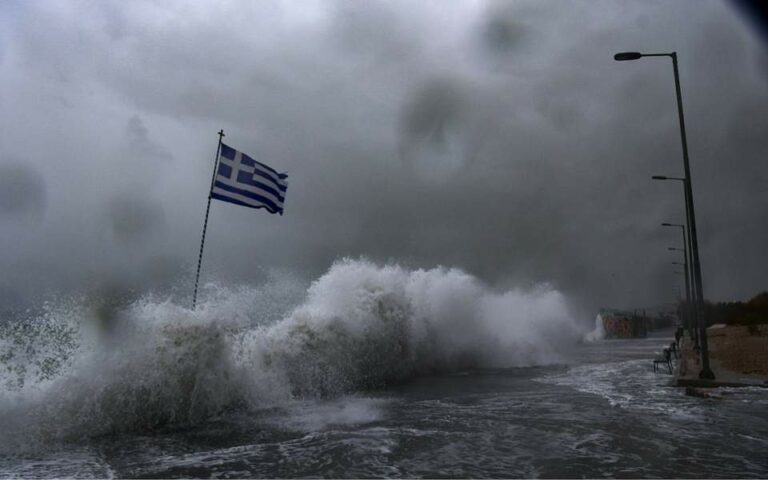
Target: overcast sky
<point x="499" y="137"/>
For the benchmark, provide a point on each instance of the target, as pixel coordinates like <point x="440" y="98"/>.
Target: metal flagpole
<point x="205" y="223"/>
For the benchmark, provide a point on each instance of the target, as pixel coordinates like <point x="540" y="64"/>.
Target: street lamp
<point x="693" y="307"/>
<point x="685" y="227"/>
<point x="688" y="305"/>
<point x="706" y="371"/>
<point x="620" y="57"/>
<point x="687" y="245"/>
<point x="687" y="292"/>
<point x="687" y="310"/>
<point x="690" y="311"/>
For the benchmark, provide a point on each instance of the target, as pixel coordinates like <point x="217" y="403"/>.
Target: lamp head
<point x="624" y="56"/>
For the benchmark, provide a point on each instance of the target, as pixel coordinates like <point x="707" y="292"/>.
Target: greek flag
<point x="244" y="181"/>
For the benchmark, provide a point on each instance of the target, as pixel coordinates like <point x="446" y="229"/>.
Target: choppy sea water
<point x="383" y="380"/>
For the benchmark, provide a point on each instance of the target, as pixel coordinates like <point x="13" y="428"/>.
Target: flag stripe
<point x="245" y="178"/>
<point x="282" y="186"/>
<point x="231" y="199"/>
<point x="277" y="200"/>
<point x="250" y="161"/>
<point x="268" y="203"/>
<point x="276" y="177"/>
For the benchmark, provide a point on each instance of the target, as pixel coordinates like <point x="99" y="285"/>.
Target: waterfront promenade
<point x="738" y="358"/>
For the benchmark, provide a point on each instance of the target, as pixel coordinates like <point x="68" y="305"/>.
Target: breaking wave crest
<point x="81" y="371"/>
<point x="598" y="333"/>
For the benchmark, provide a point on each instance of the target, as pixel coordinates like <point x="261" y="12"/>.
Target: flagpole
<point x="205" y="223"/>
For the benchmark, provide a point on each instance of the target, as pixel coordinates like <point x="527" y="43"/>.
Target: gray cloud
<point x="134" y="219"/>
<point x="22" y="193"/>
<point x="140" y="144"/>
<point x="499" y="137"/>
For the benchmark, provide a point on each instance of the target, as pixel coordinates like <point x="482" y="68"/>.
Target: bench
<point x="665" y="359"/>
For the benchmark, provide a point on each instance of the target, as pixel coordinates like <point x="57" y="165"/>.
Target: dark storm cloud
<point x="499" y="137"/>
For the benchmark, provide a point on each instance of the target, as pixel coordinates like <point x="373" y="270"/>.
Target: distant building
<point x="623" y="325"/>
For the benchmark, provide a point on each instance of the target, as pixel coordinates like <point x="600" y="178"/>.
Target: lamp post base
<point x="706" y="374"/>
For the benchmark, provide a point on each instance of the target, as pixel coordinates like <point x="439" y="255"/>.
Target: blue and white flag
<point x="244" y="181"/>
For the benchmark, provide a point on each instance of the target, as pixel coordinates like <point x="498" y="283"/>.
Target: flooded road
<point x="606" y="415"/>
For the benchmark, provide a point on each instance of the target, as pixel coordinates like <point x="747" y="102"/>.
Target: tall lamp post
<point x="690" y="312"/>
<point x="690" y="325"/>
<point x="687" y="226"/>
<point x="706" y="371"/>
<point x="687" y="245"/>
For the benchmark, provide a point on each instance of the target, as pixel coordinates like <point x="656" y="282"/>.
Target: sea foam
<point x="359" y="326"/>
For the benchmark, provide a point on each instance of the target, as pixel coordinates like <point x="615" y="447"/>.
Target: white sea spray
<point x="357" y="327"/>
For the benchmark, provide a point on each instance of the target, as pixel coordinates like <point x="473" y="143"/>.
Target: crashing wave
<point x="598" y="333"/>
<point x="359" y="326"/>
